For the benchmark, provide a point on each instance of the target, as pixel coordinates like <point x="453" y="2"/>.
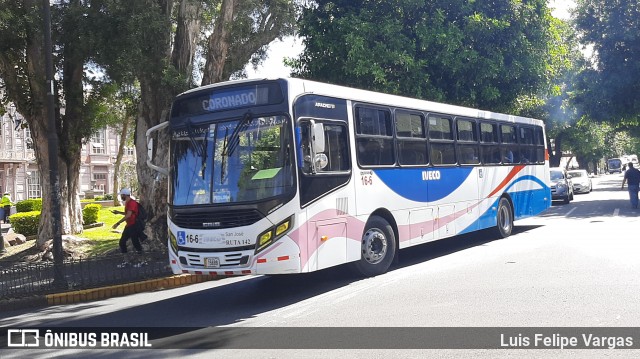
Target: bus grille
<point x="227" y="219"/>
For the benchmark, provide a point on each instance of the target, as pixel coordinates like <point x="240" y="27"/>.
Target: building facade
<point x="19" y="174"/>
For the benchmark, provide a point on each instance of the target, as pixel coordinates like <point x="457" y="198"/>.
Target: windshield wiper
<point x="196" y="145"/>
<point x="234" y="140"/>
<point x="223" y="171"/>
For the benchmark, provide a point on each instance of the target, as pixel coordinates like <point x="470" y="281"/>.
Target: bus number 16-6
<point x="367" y="180"/>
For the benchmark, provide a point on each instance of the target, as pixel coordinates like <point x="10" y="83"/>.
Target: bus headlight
<point x="274" y="233"/>
<point x="265" y="238"/>
<point x="173" y="242"/>
<point x="283" y="227"/>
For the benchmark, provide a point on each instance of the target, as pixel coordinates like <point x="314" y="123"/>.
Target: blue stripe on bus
<point x="411" y="184"/>
<point x="526" y="204"/>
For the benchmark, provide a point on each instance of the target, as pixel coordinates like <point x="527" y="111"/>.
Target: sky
<point x="292" y="46"/>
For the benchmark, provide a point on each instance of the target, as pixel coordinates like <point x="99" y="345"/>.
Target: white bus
<point x="278" y="176"/>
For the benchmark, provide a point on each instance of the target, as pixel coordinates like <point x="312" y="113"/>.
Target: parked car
<point x="561" y="185"/>
<point x="581" y="181"/>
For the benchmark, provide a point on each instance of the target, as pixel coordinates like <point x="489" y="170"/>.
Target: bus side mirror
<point x="318" y="138"/>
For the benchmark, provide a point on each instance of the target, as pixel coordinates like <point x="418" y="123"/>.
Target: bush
<point x="108" y="197"/>
<point x="90" y="213"/>
<point x="98" y="198"/>
<point x="29" y="205"/>
<point x="25" y="223"/>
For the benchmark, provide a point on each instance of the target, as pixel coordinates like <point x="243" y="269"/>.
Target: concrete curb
<point x="119" y="290"/>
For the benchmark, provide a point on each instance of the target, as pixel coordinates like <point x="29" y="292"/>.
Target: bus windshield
<point x="244" y="160"/>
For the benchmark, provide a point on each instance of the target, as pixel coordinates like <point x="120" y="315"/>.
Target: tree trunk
<point x="116" y="170"/>
<point x="188" y="29"/>
<point x="153" y="109"/>
<point x="155" y="102"/>
<point x="218" y="48"/>
<point x="555" y="153"/>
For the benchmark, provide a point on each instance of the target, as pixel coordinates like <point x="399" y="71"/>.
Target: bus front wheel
<point x="378" y="248"/>
<point x="504" y="218"/>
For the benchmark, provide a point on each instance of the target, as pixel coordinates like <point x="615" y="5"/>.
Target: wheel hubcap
<point x="504" y="218"/>
<point x="374" y="246"/>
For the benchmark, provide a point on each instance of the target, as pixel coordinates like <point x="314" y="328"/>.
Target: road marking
<point x="571" y="211"/>
<point x="616" y="211"/>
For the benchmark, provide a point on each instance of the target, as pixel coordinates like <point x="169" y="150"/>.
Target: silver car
<point x="561" y="186"/>
<point x="581" y="181"/>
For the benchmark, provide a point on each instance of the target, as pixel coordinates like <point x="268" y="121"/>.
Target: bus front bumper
<point x="281" y="258"/>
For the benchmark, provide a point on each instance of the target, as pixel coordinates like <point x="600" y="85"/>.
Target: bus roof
<point x="365" y="96"/>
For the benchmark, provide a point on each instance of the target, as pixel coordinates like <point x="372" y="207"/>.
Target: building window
<point x="98" y="143"/>
<point x="99" y="176"/>
<point x="129" y="151"/>
<point x="34" y="185"/>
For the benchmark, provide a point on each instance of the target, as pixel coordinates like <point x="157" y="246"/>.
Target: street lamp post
<point x="59" y="277"/>
<point x="12" y="114"/>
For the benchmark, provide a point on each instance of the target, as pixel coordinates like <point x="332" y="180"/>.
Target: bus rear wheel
<point x="504" y="218"/>
<point x="378" y="248"/>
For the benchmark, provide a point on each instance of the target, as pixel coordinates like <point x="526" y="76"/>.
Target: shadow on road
<point x="232" y="303"/>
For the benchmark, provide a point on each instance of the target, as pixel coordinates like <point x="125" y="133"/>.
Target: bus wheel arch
<point x="379" y="245"/>
<point x="504" y="217"/>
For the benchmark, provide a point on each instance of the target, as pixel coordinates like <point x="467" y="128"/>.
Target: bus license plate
<point x="212" y="262"/>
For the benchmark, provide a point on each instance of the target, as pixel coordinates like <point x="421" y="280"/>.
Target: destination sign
<point x="231" y="99"/>
<point x="227" y="98"/>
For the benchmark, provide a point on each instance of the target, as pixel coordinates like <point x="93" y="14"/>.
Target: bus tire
<point x="504" y="218"/>
<point x="378" y="248"/>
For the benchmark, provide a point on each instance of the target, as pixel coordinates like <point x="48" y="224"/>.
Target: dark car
<point x="561" y="185"/>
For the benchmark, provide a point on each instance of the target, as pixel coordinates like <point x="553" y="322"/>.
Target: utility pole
<point x="59" y="278"/>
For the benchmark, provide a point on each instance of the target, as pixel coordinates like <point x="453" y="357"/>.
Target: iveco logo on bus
<point x="430" y="175"/>
<point x="325" y="105"/>
<point x="210" y="224"/>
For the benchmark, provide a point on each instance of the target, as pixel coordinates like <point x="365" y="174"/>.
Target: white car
<point x="581" y="181"/>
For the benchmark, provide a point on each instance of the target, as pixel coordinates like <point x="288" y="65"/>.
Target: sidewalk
<point x="26" y="285"/>
<point x="88" y="295"/>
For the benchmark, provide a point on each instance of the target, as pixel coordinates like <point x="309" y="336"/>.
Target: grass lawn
<point x="101" y="240"/>
<point x="104" y="239"/>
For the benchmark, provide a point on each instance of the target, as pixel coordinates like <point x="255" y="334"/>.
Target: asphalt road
<point x="577" y="265"/>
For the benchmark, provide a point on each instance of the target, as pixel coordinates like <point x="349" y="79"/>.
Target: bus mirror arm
<point x="150" y="164"/>
<point x="318" y="137"/>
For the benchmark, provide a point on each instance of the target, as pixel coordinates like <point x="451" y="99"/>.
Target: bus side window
<point x="336" y="149"/>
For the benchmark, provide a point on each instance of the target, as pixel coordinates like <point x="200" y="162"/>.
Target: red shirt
<point x="131" y="205"/>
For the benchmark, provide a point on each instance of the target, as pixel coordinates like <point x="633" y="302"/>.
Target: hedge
<point x="90" y="213"/>
<point x="29" y="205"/>
<point x="25" y="223"/>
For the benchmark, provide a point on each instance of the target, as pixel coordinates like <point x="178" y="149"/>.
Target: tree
<point x="479" y="54"/>
<point x="609" y="89"/>
<point x="154" y="41"/>
<point x="588" y="141"/>
<point x="22" y="71"/>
